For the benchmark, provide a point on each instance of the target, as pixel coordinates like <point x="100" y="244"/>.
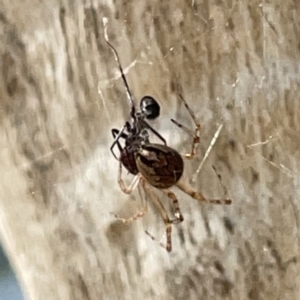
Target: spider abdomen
<point x="161" y="165"/>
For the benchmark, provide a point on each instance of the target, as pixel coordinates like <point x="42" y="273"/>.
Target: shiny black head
<point x="149" y="107"/>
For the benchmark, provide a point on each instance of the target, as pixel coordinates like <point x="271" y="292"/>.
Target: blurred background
<point x="237" y="63"/>
<point x="9" y="286"/>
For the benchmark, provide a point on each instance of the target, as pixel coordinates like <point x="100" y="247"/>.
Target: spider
<point x="153" y="165"/>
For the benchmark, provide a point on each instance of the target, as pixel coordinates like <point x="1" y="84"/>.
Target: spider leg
<point x="117" y="59"/>
<point x="195" y="134"/>
<point x="197" y="196"/>
<point x="164" y="215"/>
<point x="153" y="130"/>
<point x="173" y="198"/>
<point x="138" y="215"/>
<point x="141" y="213"/>
<point x="221" y="182"/>
<point x="133" y="184"/>
<point x="117" y="134"/>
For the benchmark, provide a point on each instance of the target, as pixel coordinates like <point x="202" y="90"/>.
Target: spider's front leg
<point x="195" y="134"/>
<point x="133" y="184"/>
<point x="118" y="134"/>
<point x="128" y="190"/>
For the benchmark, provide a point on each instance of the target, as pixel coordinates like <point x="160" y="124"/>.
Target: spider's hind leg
<point x="195" y="134"/>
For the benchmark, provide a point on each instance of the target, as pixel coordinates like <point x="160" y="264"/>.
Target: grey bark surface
<point x="237" y="64"/>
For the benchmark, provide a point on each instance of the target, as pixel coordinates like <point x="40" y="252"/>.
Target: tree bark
<point x="237" y="65"/>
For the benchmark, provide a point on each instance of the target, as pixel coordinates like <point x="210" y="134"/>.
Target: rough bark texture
<point x="237" y="64"/>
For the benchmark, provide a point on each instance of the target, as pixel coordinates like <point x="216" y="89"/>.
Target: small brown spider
<point x="154" y="165"/>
